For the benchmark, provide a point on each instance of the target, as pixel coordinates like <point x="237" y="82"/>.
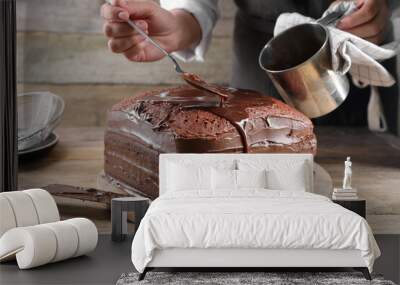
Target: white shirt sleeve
<point x="206" y="13"/>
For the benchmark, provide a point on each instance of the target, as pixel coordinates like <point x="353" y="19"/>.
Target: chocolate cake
<point x="188" y="120"/>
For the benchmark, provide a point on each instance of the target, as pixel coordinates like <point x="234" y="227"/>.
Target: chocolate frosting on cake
<point x="184" y="119"/>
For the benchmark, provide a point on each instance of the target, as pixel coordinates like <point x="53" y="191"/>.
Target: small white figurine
<point x="347" y="174"/>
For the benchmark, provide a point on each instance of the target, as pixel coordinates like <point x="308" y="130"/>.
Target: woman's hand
<point x="369" y="21"/>
<point x="173" y="30"/>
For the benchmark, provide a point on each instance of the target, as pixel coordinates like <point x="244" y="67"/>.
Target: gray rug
<point x="243" y="278"/>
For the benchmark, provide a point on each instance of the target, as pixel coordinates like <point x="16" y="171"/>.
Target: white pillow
<point x="224" y="179"/>
<point x="251" y="178"/>
<point x="183" y="177"/>
<point x="284" y="174"/>
<point x="293" y="180"/>
<point x="230" y="180"/>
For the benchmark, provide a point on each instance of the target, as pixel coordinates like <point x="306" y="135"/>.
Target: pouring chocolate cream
<point x="197" y="82"/>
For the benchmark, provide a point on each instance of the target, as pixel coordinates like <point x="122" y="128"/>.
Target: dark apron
<point x="254" y="25"/>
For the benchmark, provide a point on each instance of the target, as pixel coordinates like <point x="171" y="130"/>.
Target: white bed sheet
<point x="252" y="218"/>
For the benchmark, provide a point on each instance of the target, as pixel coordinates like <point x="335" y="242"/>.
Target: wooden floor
<point x="78" y="159"/>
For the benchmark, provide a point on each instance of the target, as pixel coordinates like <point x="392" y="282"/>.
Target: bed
<point x="246" y="211"/>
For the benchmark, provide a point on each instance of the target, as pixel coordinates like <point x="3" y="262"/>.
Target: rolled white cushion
<point x="7" y="218"/>
<point x="87" y="234"/>
<point x="46" y="207"/>
<point x="67" y="240"/>
<point x="41" y="244"/>
<point x="23" y="208"/>
<point x="33" y="246"/>
<point x="26" y="208"/>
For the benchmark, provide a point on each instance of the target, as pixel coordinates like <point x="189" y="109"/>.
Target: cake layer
<point x="130" y="163"/>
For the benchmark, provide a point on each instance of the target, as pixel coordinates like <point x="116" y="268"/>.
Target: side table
<point x="357" y="206"/>
<point x="119" y="214"/>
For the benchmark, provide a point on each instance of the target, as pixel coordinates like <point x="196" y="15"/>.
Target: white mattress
<point x="253" y="219"/>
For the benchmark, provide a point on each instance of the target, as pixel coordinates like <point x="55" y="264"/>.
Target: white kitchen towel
<point x="351" y="54"/>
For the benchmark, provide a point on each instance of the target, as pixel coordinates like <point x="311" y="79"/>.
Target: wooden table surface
<point x="78" y="159"/>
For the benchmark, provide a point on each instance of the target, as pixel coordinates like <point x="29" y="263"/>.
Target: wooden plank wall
<point x="61" y="42"/>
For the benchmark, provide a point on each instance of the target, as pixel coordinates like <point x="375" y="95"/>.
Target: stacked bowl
<point x="39" y="113"/>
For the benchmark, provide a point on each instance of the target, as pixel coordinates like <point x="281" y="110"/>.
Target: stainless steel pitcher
<point x="299" y="63"/>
